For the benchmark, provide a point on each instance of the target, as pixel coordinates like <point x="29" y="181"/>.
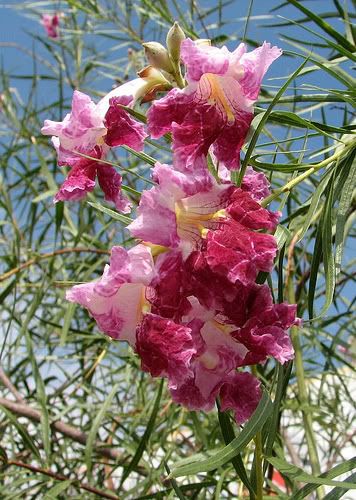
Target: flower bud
<point x="175" y="37"/>
<point x="157" y="56"/>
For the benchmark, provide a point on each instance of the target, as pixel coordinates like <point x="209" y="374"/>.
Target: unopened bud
<point x="157" y="56"/>
<point x="175" y="37"/>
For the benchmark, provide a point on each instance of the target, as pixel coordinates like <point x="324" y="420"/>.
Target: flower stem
<point x="317" y="166"/>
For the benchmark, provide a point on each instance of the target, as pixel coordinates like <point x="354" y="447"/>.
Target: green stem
<point x="177" y="74"/>
<point x="258" y="457"/>
<point x="259" y="468"/>
<point x="303" y="394"/>
<point x="291" y="184"/>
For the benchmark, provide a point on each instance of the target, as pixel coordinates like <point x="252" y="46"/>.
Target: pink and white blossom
<point x="216" y="107"/>
<point x="91" y="129"/>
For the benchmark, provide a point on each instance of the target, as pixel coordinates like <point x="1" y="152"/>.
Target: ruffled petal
<point x="81" y="130"/>
<point x="156" y="222"/>
<point x="241" y="393"/>
<point x="121" y="127"/>
<point x="249" y="212"/>
<point x="203" y="58"/>
<point x="110" y="183"/>
<point x="79" y="182"/>
<point x="256" y="184"/>
<point x="228" y="144"/>
<point x="173" y="107"/>
<point x="115" y="301"/>
<point x="255" y="65"/>
<point x="165" y="349"/>
<point x="239" y="254"/>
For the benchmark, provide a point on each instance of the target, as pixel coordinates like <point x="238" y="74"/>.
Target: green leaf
<point x="148" y="431"/>
<point x="282" y="235"/>
<point x="175" y="486"/>
<point x="68" y="316"/>
<point x="343" y="208"/>
<point x="27" y="439"/>
<point x="339" y="469"/>
<point x="327" y="246"/>
<point x="195" y="464"/>
<point x="324" y="25"/>
<point x="264" y="118"/>
<point x="94" y="430"/>
<point x="297" y="474"/>
<point x="115" y="215"/>
<point x="314" y="203"/>
<point x="57" y="489"/>
<point x="229" y="435"/>
<point x="337" y="493"/>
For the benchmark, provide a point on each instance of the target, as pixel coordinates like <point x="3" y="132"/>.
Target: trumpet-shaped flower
<point x="117" y="300"/>
<point x="207" y="218"/>
<point x="216" y="108"/>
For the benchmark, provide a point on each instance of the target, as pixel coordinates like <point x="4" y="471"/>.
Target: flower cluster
<point x="185" y="297"/>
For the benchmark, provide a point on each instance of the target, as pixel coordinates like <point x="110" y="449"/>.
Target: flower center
<point x="193" y="221"/>
<point x="217" y="95"/>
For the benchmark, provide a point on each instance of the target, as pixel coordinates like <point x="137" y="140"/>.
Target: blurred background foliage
<point x="78" y="417"/>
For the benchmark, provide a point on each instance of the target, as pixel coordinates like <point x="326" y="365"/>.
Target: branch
<point x="24" y="410"/>
<point x="59" y="477"/>
<point x="7" y="383"/>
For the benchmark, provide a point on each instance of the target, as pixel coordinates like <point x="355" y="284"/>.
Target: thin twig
<point x="24" y="410"/>
<point x="7" y="383"/>
<point x="48" y="255"/>
<point x="59" y="477"/>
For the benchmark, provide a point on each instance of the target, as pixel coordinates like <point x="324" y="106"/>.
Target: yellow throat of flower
<point x="194" y="222"/>
<point x="217" y="95"/>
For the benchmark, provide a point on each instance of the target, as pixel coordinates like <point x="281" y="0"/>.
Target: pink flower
<point x="169" y="286"/>
<point x="186" y="215"/>
<point x="216" y="108"/>
<point x="117" y="300"/>
<point x="86" y="130"/>
<point x="51" y="24"/>
<point x="264" y="331"/>
<point x="212" y="366"/>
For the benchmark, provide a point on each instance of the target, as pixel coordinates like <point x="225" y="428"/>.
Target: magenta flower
<point x="197" y="357"/>
<point x="51" y="24"/>
<point x="216" y="108"/>
<point x="117" y="300"/>
<point x="188" y="222"/>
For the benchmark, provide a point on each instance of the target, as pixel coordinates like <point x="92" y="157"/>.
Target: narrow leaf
<point x="195" y="465"/>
